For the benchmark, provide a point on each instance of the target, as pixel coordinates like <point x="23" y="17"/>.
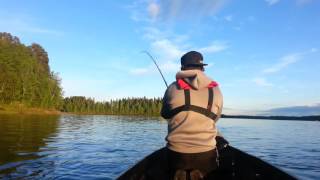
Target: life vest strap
<point x="187" y="97"/>
<point x="210" y="101"/>
<point x="188" y="107"/>
<point x="193" y="108"/>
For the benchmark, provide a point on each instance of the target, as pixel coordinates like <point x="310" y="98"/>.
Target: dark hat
<point x="192" y="58"/>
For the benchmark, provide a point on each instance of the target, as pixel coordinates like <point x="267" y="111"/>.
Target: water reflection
<point x="93" y="147"/>
<point x="24" y="138"/>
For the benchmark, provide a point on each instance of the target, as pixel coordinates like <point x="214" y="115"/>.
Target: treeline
<point x="124" y="106"/>
<point x="25" y="76"/>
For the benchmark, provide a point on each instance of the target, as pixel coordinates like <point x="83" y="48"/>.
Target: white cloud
<point x="272" y="2"/>
<point x="176" y="9"/>
<point x="251" y="18"/>
<point x="303" y="2"/>
<point x="151" y="33"/>
<point x="163" y="10"/>
<point x="228" y="18"/>
<point x="139" y="71"/>
<point x="167" y="49"/>
<point x="287" y="60"/>
<point x="153" y="10"/>
<point x="171" y="49"/>
<point x="283" y="63"/>
<point x="237" y="28"/>
<point x="167" y="46"/>
<point x="314" y="50"/>
<point x="214" y="47"/>
<point x="166" y="53"/>
<point x="139" y="10"/>
<point x="298" y="2"/>
<point x="170" y="66"/>
<point x="262" y="82"/>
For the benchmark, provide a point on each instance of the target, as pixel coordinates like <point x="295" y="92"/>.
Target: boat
<point x="233" y="164"/>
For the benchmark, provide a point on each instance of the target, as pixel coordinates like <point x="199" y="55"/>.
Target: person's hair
<point x="192" y="68"/>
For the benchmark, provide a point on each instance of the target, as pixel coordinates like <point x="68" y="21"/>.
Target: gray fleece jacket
<point x="189" y="131"/>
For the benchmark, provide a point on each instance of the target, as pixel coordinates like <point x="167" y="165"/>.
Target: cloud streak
<point x="303" y="2"/>
<point x="298" y="2"/>
<point x="170" y="10"/>
<point x="272" y="2"/>
<point x="215" y="47"/>
<point x="262" y="82"/>
<point x="283" y="63"/>
<point x="177" y="9"/>
<point x="139" y="71"/>
<point x="287" y="60"/>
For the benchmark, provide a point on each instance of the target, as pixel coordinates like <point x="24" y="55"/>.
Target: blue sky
<point x="265" y="55"/>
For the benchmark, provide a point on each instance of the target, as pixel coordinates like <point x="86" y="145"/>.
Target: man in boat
<point x="192" y="105"/>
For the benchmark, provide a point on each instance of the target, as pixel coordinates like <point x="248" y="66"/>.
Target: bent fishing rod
<point x="154" y="61"/>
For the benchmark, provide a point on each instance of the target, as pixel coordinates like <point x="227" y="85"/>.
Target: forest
<point x="124" y="106"/>
<point x="26" y="79"/>
<point x="25" y="75"/>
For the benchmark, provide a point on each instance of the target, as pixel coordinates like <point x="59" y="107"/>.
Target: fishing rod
<point x="154" y="61"/>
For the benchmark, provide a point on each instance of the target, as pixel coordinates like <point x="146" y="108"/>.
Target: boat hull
<point x="233" y="164"/>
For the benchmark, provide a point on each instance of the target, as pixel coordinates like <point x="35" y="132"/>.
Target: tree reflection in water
<point x="24" y="138"/>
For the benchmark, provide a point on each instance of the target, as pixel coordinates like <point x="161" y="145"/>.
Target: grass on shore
<point x="18" y="108"/>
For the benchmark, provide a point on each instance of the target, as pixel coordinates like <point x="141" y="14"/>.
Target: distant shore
<point x="38" y="111"/>
<point x="297" y="118"/>
<point x="20" y="109"/>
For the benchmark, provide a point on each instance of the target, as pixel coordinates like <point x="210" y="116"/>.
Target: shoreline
<point x="30" y="112"/>
<point x="22" y="110"/>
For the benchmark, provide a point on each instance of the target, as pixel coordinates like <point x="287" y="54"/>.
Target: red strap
<point x="183" y="84"/>
<point x="213" y="84"/>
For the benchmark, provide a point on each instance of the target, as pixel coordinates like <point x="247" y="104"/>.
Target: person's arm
<point x="219" y="105"/>
<point x="165" y="106"/>
<point x="221" y="141"/>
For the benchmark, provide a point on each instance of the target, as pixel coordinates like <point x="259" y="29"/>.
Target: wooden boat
<point x="233" y="164"/>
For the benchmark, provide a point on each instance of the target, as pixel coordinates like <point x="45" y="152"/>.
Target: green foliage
<point x="124" y="106"/>
<point x="26" y="80"/>
<point x="25" y="75"/>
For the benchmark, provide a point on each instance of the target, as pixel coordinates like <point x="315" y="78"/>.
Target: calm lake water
<point x="102" y="147"/>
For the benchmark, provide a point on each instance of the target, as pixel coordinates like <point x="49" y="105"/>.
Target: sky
<point x="265" y="54"/>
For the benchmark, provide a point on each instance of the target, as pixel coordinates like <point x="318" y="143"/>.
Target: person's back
<point x="192" y="104"/>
